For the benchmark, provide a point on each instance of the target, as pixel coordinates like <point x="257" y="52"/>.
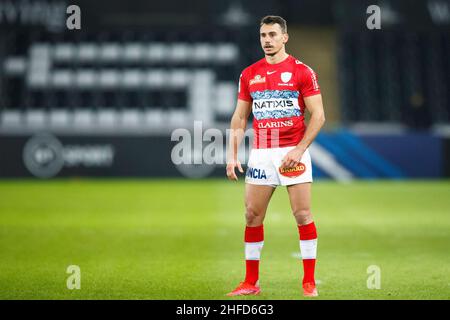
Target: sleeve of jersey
<point x="309" y="85"/>
<point x="243" y="92"/>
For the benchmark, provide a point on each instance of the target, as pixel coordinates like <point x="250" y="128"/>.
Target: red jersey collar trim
<point x="279" y="63"/>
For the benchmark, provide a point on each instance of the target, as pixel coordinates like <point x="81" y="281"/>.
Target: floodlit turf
<point x="180" y="239"/>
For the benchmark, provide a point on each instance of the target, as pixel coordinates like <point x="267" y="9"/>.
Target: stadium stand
<point x="395" y="77"/>
<point x="128" y="80"/>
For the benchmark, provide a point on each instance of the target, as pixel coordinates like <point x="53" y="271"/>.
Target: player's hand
<point x="231" y="174"/>
<point x="292" y="158"/>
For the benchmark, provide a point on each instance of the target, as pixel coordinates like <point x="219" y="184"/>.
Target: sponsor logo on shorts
<point x="293" y="172"/>
<point x="255" y="173"/>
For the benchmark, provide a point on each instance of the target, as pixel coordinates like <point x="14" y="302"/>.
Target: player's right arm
<point x="238" y="123"/>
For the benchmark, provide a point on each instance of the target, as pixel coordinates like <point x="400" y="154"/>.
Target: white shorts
<point x="264" y="168"/>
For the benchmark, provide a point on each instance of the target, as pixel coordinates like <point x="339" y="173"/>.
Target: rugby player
<point x="277" y="89"/>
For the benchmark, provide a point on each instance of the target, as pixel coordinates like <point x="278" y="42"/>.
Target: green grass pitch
<point x="182" y="239"/>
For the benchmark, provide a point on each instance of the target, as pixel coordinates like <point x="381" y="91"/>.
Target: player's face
<point x="272" y="38"/>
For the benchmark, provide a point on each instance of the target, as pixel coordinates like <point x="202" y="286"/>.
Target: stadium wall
<point x="340" y="155"/>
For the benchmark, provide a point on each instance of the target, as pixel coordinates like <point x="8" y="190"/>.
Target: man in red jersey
<point x="277" y="90"/>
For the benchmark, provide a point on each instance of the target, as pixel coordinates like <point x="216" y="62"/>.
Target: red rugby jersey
<point x="276" y="92"/>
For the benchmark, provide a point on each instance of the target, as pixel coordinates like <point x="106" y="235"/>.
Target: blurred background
<point x="87" y="118"/>
<point x="103" y="100"/>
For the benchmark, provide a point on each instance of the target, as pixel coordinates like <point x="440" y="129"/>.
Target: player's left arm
<point x="315" y="107"/>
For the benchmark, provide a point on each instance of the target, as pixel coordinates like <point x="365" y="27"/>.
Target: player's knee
<point x="251" y="214"/>
<point x="302" y="216"/>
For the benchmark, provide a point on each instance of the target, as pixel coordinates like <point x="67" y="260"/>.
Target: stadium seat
<point x="59" y="118"/>
<point x="84" y="118"/>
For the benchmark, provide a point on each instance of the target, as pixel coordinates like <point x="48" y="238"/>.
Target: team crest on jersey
<point x="293" y="171"/>
<point x="286" y="76"/>
<point x="258" y="79"/>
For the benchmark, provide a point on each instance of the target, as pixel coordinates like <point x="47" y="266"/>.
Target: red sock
<point x="308" y="248"/>
<point x="254" y="241"/>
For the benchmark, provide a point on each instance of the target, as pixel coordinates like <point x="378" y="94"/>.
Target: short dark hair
<point x="273" y="20"/>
